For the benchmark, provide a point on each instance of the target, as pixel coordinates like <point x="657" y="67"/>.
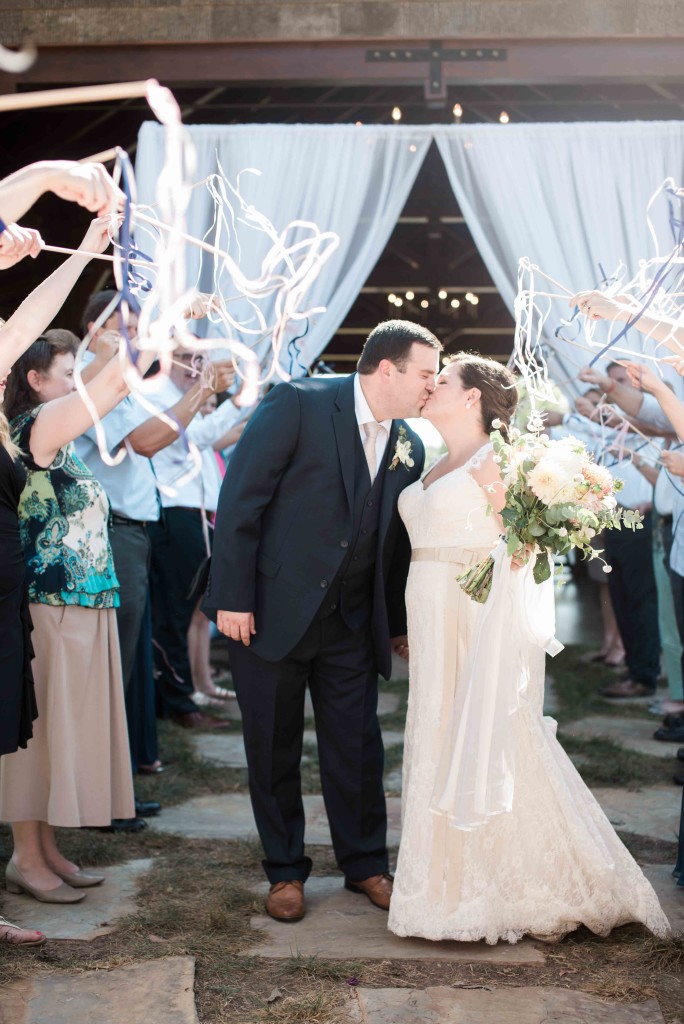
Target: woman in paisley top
<point x="76" y="771"/>
<point x="16" y="335"/>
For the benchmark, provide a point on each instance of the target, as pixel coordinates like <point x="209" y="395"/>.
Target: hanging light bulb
<point x="442" y="293"/>
<point x="398" y="301"/>
<point x="391" y="297"/>
<point x="503" y="117"/>
<point x="359" y="123"/>
<point x="474" y="300"/>
<point x="396" y="113"/>
<point x="410" y="296"/>
<point x="413" y="148"/>
<point x="469" y="296"/>
<point x="455" y="303"/>
<point x="424" y="303"/>
<point x="457" y="111"/>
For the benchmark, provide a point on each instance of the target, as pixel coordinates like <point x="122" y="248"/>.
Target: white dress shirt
<point x="174" y="462"/>
<point x="130" y="486"/>
<point x="364" y="415"/>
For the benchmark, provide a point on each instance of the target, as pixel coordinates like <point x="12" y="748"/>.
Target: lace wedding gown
<point x="554" y="861"/>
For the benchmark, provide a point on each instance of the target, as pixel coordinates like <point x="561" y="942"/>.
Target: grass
<point x="577" y="683"/>
<point x="603" y="762"/>
<point x="199" y="898"/>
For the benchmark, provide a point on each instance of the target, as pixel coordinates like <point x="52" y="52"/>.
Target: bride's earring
<point x="467" y="405"/>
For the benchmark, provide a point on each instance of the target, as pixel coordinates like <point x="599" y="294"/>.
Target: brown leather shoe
<point x="627" y="689"/>
<point x="285" y="901"/>
<point x="197" y="720"/>
<point x="378" y="889"/>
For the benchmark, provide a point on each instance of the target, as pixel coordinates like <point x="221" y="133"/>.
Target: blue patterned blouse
<point x="63" y="521"/>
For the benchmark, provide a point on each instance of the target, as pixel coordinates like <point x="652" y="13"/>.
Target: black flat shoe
<point x="123" y="825"/>
<point x="147" y="808"/>
<point x="669" y="735"/>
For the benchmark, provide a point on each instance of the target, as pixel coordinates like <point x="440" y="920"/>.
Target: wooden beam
<point x="528" y="61"/>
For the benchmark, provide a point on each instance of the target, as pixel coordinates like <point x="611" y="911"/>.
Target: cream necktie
<point x="372" y="430"/>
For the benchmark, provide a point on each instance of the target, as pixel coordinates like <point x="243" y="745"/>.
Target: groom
<point x="307" y="580"/>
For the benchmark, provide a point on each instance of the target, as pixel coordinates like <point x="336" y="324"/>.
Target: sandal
<point x="221" y="694"/>
<point x="6" y="928"/>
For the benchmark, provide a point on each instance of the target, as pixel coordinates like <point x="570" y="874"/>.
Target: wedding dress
<point x="551" y="863"/>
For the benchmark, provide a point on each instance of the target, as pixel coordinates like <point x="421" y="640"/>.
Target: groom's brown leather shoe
<point x="378" y="889"/>
<point x="285" y="901"/>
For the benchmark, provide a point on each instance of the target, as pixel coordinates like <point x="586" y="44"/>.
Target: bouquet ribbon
<point x="476" y="771"/>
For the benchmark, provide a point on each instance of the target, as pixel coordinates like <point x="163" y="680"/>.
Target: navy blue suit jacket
<point x="284" y="518"/>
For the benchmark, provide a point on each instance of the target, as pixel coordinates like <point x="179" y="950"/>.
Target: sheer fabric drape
<point x="353" y="180"/>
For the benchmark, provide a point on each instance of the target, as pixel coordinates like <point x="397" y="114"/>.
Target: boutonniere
<point x="402" y="451"/>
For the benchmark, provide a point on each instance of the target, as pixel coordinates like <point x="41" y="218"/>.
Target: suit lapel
<point x="344" y="422"/>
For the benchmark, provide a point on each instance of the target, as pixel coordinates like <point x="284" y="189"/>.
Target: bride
<point x="552" y="861"/>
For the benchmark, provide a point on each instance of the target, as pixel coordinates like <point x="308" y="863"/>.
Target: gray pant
<point x="131" y="549"/>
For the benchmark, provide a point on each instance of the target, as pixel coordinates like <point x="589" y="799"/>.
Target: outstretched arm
<point x="37" y="311"/>
<point x="65" y="419"/>
<point x="154" y="434"/>
<point x="598" y="306"/>
<point x="88" y="184"/>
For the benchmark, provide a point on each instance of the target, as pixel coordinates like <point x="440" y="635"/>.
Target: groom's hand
<point x="399" y="645"/>
<point x="236" y="625"/>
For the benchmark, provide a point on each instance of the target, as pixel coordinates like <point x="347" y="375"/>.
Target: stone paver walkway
<point x="631" y="733"/>
<point x="154" y="992"/>
<point x="342" y="925"/>
<point x="97" y="914"/>
<point x="503" y="1006"/>
<point x="229" y="816"/>
<point x="227" y="749"/>
<point x="652" y="811"/>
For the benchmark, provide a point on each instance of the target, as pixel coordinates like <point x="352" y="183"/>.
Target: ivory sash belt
<point x="460" y="556"/>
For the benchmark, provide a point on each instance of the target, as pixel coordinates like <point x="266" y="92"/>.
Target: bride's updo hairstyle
<point x="496" y="384"/>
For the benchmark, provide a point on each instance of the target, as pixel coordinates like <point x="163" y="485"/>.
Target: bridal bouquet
<point x="557" y="498"/>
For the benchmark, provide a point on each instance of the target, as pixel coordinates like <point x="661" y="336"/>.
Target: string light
<point x="412" y="148"/>
<point x="457" y="111"/>
<point x="359" y="124"/>
<point x="391" y="297"/>
<point x="398" y="302"/>
<point x="503" y="117"/>
<point x="455" y="303"/>
<point x="396" y="113"/>
<point x="474" y="300"/>
<point x="424" y="303"/>
<point x="442" y="293"/>
<point x="469" y="296"/>
<point x="410" y="296"/>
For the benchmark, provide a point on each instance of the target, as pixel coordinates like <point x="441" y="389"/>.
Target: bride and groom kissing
<point x="331" y="551"/>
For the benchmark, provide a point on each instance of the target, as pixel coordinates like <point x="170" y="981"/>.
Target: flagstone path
<point x="446" y="1005"/>
<point x="154" y="992"/>
<point x="342" y="926"/>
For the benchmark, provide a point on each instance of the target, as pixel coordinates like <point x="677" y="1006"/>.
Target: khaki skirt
<point x="77" y="768"/>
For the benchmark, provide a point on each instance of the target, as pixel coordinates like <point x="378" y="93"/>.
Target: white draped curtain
<point x="570" y="197"/>
<point x="351" y="180"/>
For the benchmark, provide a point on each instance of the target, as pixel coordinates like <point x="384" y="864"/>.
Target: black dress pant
<point x="340" y="669"/>
<point x="178" y="551"/>
<point x="130" y="544"/>
<point x="140" y="698"/>
<point x="635" y="600"/>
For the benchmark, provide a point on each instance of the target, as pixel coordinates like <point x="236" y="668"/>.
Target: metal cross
<point x="436" y="56"/>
